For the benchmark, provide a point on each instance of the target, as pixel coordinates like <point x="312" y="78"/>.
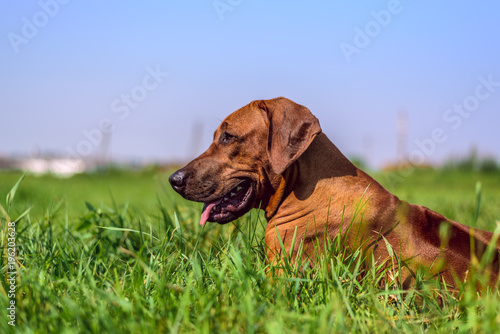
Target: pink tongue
<point x="206" y="213"/>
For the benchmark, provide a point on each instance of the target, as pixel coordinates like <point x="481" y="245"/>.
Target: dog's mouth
<point x="232" y="205"/>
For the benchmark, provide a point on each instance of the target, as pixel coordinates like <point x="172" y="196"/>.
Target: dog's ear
<point x="292" y="128"/>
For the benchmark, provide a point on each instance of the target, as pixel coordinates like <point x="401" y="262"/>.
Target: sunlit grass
<point x="128" y="265"/>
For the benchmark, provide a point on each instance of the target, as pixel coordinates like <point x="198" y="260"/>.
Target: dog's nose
<point x="178" y="180"/>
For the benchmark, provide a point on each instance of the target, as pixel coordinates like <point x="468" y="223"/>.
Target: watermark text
<point x="453" y="118"/>
<point x="30" y="27"/>
<point x="121" y="107"/>
<point x="11" y="272"/>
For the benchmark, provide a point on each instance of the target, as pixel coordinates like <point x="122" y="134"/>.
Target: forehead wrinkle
<point x="221" y="127"/>
<point x="247" y="114"/>
<point x="224" y="125"/>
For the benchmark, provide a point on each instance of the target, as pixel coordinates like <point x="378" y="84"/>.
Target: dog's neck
<point x="323" y="192"/>
<point x="321" y="161"/>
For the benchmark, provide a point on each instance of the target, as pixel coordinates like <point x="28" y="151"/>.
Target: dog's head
<point x="251" y="147"/>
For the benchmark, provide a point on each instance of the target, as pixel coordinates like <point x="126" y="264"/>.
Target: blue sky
<point x="73" y="70"/>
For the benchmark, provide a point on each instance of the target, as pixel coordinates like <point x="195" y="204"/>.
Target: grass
<point x="120" y="252"/>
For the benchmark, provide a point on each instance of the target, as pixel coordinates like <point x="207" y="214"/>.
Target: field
<point x="119" y="251"/>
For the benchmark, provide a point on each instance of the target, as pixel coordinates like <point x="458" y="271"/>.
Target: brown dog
<point x="272" y="155"/>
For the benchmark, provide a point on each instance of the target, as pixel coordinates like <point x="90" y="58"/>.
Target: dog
<point x="272" y="155"/>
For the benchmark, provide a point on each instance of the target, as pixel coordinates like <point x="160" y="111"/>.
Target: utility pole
<point x="195" y="140"/>
<point x="402" y="137"/>
<point x="102" y="158"/>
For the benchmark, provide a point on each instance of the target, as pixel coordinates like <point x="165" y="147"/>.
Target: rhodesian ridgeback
<point x="272" y="155"/>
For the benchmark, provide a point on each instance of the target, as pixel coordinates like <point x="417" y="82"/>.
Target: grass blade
<point x="12" y="193"/>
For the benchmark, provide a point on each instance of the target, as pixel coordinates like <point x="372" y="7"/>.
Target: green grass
<point x="121" y="252"/>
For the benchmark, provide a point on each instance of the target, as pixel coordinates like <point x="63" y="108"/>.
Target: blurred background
<point x="86" y="84"/>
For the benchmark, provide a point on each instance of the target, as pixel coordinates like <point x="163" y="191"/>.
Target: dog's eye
<point x="226" y="138"/>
